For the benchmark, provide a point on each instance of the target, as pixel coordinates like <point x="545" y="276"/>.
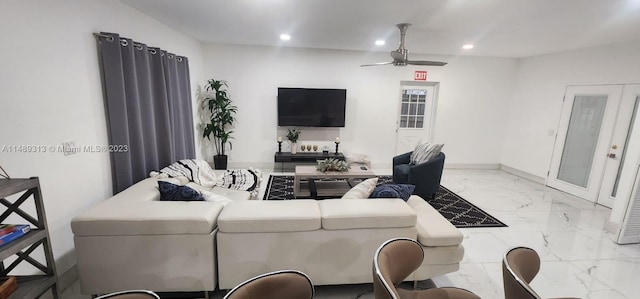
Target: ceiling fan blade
<point x="424" y="62"/>
<point x="378" y="63"/>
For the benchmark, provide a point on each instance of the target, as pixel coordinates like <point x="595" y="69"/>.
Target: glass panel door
<point x="584" y="133"/>
<point x="582" y="137"/>
<point x="617" y="153"/>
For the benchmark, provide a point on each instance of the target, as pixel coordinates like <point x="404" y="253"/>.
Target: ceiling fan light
<point x="285" y="37"/>
<point x="380" y="42"/>
<point x="468" y="46"/>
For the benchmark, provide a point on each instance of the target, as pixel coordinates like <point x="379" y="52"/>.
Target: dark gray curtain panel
<point x="148" y="103"/>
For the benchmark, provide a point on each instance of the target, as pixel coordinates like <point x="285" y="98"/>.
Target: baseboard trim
<point x="488" y="166"/>
<point x="256" y="165"/>
<point x="523" y="174"/>
<point x="276" y="166"/>
<point x="611" y="227"/>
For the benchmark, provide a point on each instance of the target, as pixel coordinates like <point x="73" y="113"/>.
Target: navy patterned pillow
<point x="403" y="191"/>
<point x="173" y="192"/>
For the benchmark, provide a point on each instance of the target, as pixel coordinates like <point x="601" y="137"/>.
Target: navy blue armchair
<point x="426" y="176"/>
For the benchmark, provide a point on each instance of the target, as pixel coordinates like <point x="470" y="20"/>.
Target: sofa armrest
<point x="402" y="159"/>
<point x="433" y="228"/>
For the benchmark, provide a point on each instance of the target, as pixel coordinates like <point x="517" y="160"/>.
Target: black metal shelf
<point x="305" y="157"/>
<point x="302" y="158"/>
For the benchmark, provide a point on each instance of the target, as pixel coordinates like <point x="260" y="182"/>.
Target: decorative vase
<point x="220" y="162"/>
<point x="294" y="147"/>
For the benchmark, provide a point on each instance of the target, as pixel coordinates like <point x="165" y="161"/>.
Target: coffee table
<point x="317" y="187"/>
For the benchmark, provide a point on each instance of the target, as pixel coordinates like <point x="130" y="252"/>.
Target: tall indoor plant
<point x="217" y="102"/>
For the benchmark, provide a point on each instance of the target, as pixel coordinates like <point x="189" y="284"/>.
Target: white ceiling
<point x="504" y="28"/>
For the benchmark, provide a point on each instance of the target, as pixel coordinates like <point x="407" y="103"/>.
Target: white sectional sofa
<point x="135" y="241"/>
<point x="332" y="241"/>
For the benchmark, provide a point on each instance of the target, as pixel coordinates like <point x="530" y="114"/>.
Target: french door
<point x="627" y="116"/>
<point x="416" y="117"/>
<point x="591" y="142"/>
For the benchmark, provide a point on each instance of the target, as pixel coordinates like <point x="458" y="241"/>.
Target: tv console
<point x="303" y="158"/>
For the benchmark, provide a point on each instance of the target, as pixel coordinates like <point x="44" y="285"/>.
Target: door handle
<point x="611" y="155"/>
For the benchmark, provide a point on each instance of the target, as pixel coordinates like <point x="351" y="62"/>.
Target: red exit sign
<point x="420" y="75"/>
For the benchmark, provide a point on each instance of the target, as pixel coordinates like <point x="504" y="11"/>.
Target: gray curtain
<point x="148" y="104"/>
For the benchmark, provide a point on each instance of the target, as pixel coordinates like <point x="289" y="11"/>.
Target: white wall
<point x="537" y="101"/>
<point x="537" y="98"/>
<point x="472" y="103"/>
<point x="50" y="92"/>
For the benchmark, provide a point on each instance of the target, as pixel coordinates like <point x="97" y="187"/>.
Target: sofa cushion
<point x="229" y="193"/>
<point x="122" y="218"/>
<point x="366" y="213"/>
<point x="433" y="228"/>
<point x="142" y="191"/>
<point x="269" y="216"/>
<point x="213" y="197"/>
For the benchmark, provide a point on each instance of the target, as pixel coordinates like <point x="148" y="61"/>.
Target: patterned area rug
<point x="456" y="209"/>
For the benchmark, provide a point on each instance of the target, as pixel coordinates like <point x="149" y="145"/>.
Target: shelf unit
<point x="302" y="158"/>
<point x="29" y="286"/>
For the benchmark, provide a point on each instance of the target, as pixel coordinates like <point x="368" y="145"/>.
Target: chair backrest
<point x="289" y="284"/>
<point x="394" y="260"/>
<point x="519" y="266"/>
<point x="132" y="294"/>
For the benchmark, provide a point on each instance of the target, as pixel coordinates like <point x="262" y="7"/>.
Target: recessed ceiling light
<point x="467" y="47"/>
<point x="285" y="36"/>
<point x="380" y="42"/>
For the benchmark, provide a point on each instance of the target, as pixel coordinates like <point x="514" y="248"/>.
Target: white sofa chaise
<point x="135" y="241"/>
<point x="332" y="241"/>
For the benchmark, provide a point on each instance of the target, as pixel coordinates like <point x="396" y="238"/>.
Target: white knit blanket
<point x="197" y="171"/>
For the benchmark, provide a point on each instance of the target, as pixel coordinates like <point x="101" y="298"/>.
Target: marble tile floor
<point x="579" y="258"/>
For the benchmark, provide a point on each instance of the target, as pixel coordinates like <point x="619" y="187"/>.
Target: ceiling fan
<point x="401" y="55"/>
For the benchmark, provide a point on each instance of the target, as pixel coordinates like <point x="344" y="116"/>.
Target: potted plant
<point x="332" y="164"/>
<point x="293" y="135"/>
<point x="217" y="102"/>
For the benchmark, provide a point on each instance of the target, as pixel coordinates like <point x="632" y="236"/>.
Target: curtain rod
<point x="108" y="37"/>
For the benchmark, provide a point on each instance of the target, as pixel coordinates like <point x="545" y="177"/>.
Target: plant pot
<point x="294" y="147"/>
<point x="220" y="162"/>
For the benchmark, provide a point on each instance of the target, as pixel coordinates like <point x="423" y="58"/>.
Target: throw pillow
<point x="362" y="190"/>
<point x="403" y="191"/>
<point x="172" y="192"/>
<point x="425" y="151"/>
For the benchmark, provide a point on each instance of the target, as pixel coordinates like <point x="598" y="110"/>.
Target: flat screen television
<point x="311" y="107"/>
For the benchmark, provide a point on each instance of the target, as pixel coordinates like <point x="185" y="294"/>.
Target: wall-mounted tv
<point x="311" y="107"/>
